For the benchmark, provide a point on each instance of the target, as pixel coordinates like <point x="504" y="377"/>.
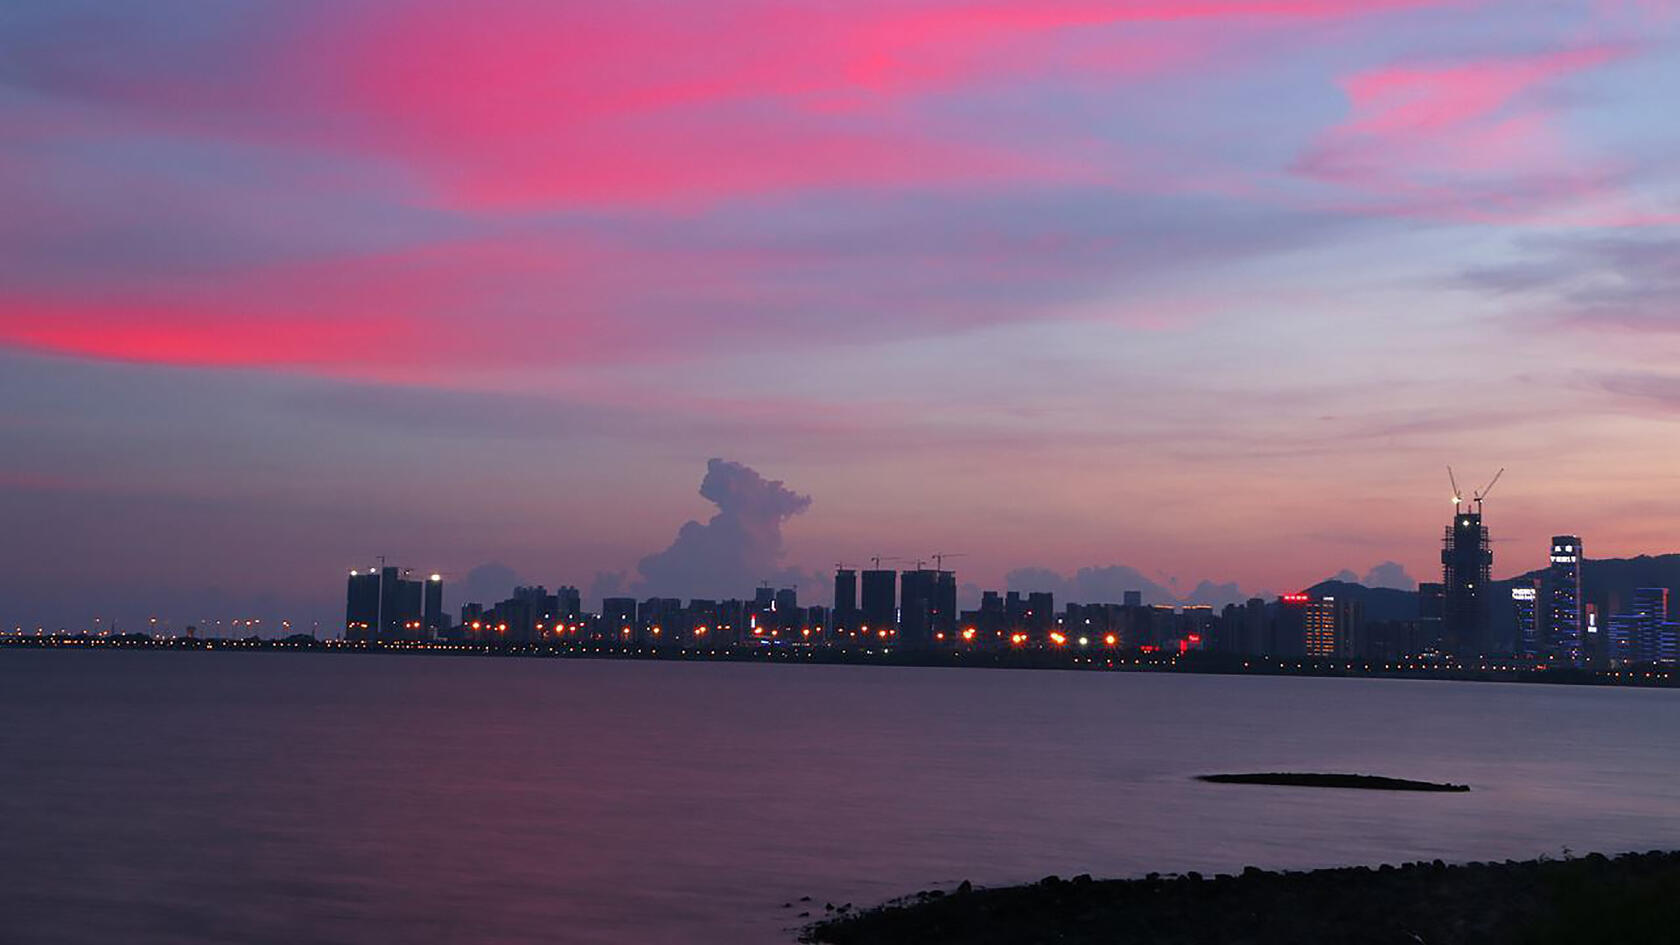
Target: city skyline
<point x="1211" y="291"/>
<point x="741" y="547"/>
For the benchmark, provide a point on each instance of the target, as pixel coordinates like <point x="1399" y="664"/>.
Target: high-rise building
<point x="880" y="599"/>
<point x="1635" y="636"/>
<point x="1432" y="604"/>
<point x="382" y="604"/>
<point x="917" y="606"/>
<point x="945" y="603"/>
<point x="1565" y="620"/>
<point x="845" y="598"/>
<point x="1319" y="629"/>
<point x="1289" y="627"/>
<point x="432" y="612"/>
<point x="1466" y="569"/>
<point x="361" y="606"/>
<point x="568" y="604"/>
<point x="786" y="607"/>
<point x="1132" y="598"/>
<point x="1525" y="603"/>
<point x="618" y="617"/>
<point x="1040" y="614"/>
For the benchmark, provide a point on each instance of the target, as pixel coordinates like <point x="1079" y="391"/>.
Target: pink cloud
<point x="533" y="102"/>
<point x="1471" y="140"/>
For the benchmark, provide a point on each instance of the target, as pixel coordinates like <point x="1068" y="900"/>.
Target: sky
<point x="1087" y="293"/>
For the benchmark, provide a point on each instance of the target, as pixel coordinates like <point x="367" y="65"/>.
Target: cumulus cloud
<point x="1217" y="595"/>
<point x="487" y="584"/>
<point x="1390" y="574"/>
<point x="1386" y="574"/>
<point x="739" y="547"/>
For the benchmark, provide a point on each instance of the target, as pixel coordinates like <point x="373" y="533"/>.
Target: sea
<point x="284" y="799"/>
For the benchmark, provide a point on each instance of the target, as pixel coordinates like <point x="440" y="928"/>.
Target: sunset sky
<point x="1212" y="289"/>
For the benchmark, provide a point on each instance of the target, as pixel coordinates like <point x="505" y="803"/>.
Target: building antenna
<point x="1482" y="494"/>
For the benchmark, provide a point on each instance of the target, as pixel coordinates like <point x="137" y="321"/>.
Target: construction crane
<point x="1458" y="496"/>
<point x="877" y="559"/>
<point x="939" y="558"/>
<point x="1483" y="492"/>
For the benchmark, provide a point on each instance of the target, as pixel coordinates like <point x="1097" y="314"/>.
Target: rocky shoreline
<point x="1631" y="899"/>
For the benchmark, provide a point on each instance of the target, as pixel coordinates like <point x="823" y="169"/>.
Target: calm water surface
<point x="278" y="798"/>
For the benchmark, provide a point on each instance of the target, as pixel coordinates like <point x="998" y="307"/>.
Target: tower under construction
<point x="1466" y="570"/>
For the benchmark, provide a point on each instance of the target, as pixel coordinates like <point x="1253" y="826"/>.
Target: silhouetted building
<point x="880" y="599"/>
<point x="1432" y="606"/>
<point x="945" y="603"/>
<point x="382" y="604"/>
<point x="1040" y="613"/>
<point x="618" y="617"/>
<point x="1132" y="598"/>
<point x="568" y="604"/>
<point x="361" y="606"/>
<point x="785" y="605"/>
<point x="431" y="617"/>
<point x="1289" y="627"/>
<point x="1466" y="568"/>
<point x="916" y="607"/>
<point x="845" y="599"/>
<point x="1566" y="620"/>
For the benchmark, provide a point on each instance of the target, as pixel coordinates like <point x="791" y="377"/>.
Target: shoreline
<point x="1120" y="661"/>
<point x="1631" y="898"/>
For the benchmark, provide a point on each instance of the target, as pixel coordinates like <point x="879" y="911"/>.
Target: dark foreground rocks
<point x="1632" y="899"/>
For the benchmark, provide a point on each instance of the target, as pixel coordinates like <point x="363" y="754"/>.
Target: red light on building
<point x="1297" y="598"/>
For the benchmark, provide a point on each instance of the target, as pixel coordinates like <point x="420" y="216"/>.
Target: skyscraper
<point x="568" y="603"/>
<point x="1319" y="637"/>
<point x="1525" y="603"/>
<point x="917" y="606"/>
<point x="1564" y="622"/>
<point x="945" y="603"/>
<point x="1432" y="604"/>
<point x="361" y="606"/>
<point x="845" y="599"/>
<point x="1466" y="568"/>
<point x="1635" y="634"/>
<point x="381" y="604"/>
<point x="879" y="599"/>
<point x="432" y="612"/>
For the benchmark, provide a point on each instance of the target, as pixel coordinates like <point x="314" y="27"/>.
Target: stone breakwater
<point x="1362" y="782"/>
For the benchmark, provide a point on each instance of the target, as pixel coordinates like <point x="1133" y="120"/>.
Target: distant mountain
<point x="1380" y="603"/>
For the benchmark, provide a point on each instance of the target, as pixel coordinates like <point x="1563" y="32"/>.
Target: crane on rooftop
<point x="939" y="558"/>
<point x="1483" y="492"/>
